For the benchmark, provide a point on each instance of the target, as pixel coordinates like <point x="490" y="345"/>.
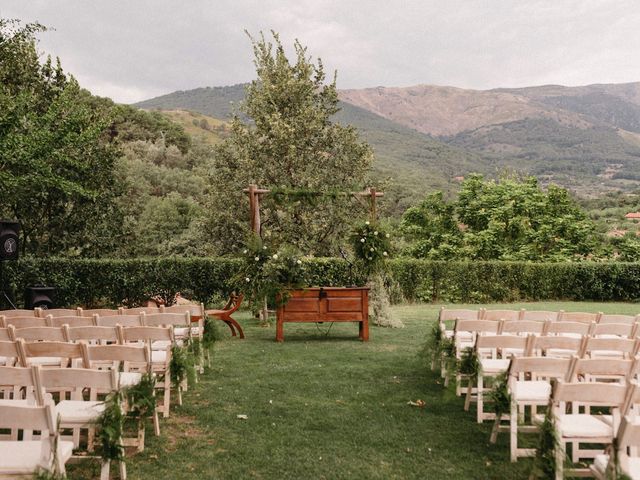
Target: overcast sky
<point x="131" y="50"/>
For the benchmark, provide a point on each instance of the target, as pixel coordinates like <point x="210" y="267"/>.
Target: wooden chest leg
<point x="364" y="330"/>
<point x="279" y="331"/>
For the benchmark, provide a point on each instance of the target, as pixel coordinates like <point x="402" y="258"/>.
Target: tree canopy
<point x="289" y="143"/>
<point x="510" y="219"/>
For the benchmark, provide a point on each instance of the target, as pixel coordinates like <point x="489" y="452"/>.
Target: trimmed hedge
<point x="129" y="282"/>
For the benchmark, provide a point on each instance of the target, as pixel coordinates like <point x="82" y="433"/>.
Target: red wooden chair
<point x="235" y="300"/>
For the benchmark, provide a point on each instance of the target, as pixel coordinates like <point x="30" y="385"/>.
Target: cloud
<point x="135" y="50"/>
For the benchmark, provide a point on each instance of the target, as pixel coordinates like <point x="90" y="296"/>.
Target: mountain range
<point x="427" y="137"/>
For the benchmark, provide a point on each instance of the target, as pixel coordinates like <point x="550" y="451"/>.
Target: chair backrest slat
<point x="38" y="334"/>
<point x="609" y="318"/>
<point x="77" y="321"/>
<point x="123" y="320"/>
<point x="60" y="312"/>
<point x="501" y="315"/>
<point x="25" y="322"/>
<point x="584" y="317"/>
<point x="455" y="314"/>
<point x="166" y="319"/>
<point x="592" y="393"/>
<point x="92" y="333"/>
<point x="539" y="315"/>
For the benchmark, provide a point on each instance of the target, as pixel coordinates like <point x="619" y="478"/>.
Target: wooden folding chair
<point x="131" y="362"/>
<point x="446" y="324"/>
<point x="558" y="346"/>
<point x="59" y="312"/>
<point x="92" y="334"/>
<point x="18" y="387"/>
<point x="160" y="359"/>
<point x="601" y="370"/>
<point x="610" y="318"/>
<point x="465" y="332"/>
<point x="52" y="354"/>
<point x="25" y="322"/>
<point x="507" y="315"/>
<point x="539" y="315"/>
<point x="10" y="353"/>
<point x="76" y="321"/>
<point x="614" y="330"/>
<point x="588" y="428"/>
<point x="494" y="354"/>
<point x="523" y="327"/>
<point x="605" y="467"/>
<point x="611" y="347"/>
<point x="582" y="317"/>
<point x="529" y="384"/>
<point x="37" y="334"/>
<point x="122" y="320"/>
<point x="23" y="459"/>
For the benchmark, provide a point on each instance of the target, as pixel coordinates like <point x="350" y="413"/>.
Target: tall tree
<point x="290" y="145"/>
<point x="56" y="169"/>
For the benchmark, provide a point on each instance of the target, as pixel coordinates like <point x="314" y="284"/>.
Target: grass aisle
<point x="329" y="408"/>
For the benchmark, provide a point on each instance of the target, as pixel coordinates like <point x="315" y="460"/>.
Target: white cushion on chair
<point x="184" y="332"/>
<point x="160" y="344"/>
<point x="26" y="457"/>
<point x="128" y="379"/>
<point x="494" y="365"/>
<point x="44" y="361"/>
<point x="536" y="390"/>
<point x="600" y="463"/>
<point x="584" y="426"/>
<point x="158" y="356"/>
<point x="79" y="411"/>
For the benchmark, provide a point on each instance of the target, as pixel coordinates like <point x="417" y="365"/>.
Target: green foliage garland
<point x="111" y="424"/>
<point x="544" y="464"/>
<point x="501" y="401"/>
<point x="372" y="247"/>
<point x="469" y="364"/>
<point x="268" y="274"/>
<point x="141" y="396"/>
<point x="182" y="365"/>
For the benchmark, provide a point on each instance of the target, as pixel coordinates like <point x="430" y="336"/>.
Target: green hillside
<point x="208" y="129"/>
<point x="407" y="163"/>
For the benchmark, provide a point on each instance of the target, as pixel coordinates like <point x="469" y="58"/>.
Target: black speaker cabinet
<point x="9" y="238"/>
<point x="39" y="297"/>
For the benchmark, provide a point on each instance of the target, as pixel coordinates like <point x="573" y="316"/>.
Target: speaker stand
<point x="2" y="290"/>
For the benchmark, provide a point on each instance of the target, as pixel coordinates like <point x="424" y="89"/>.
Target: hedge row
<point x="129" y="282"/>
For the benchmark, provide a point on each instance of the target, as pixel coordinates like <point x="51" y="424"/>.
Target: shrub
<point x="93" y="283"/>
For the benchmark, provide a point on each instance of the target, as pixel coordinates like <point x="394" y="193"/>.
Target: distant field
<point x="323" y="405"/>
<point x="209" y="129"/>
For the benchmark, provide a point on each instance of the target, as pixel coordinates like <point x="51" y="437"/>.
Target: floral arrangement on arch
<point x="267" y="273"/>
<point x="371" y="245"/>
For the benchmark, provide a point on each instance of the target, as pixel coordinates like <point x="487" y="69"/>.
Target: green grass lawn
<point x="329" y="407"/>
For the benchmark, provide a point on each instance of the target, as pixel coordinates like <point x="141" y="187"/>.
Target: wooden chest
<point x="330" y="304"/>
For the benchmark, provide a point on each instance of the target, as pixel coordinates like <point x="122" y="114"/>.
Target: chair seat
<point x="184" y="331"/>
<point x="79" y="411"/>
<point x="128" y="379"/>
<point x="160" y="344"/>
<point x="632" y="467"/>
<point x="489" y="365"/>
<point x="532" y="391"/>
<point x="158" y="356"/>
<point x="26" y="457"/>
<point x="44" y="361"/>
<point x="584" y="426"/>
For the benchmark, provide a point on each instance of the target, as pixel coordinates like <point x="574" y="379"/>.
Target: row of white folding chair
<point x="495" y="352"/>
<point x="72" y="409"/>
<point x="129" y="362"/>
<point x="44" y="346"/>
<point x="529" y="385"/>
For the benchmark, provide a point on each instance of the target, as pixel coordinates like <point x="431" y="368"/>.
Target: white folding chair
<point x="605" y="467"/>
<point x="577" y="428"/>
<point x="25" y="458"/>
<point x="529" y="385"/>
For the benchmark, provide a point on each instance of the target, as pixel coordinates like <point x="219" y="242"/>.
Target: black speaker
<point x="39" y="297"/>
<point x="9" y="238"/>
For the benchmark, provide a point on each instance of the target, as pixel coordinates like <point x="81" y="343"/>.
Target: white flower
<point x="385" y="254"/>
<point x="375" y="233"/>
<point x="257" y="259"/>
<point x="264" y="248"/>
<point x="372" y="249"/>
<point x="299" y="262"/>
<point x="362" y="240"/>
<point x="245" y="251"/>
<point x="248" y="279"/>
<point x="366" y="223"/>
<point x="388" y="235"/>
<point x="275" y="256"/>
